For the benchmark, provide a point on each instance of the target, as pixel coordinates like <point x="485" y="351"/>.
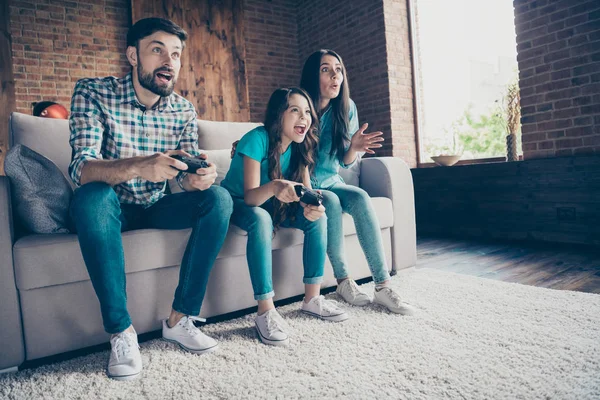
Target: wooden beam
<point x="213" y="71"/>
<point x="7" y="86"/>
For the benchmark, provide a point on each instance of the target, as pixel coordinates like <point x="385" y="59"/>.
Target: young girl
<point x="268" y="162"/>
<point x="340" y="141"/>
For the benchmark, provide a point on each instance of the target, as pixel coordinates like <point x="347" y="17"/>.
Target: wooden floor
<point x="545" y="265"/>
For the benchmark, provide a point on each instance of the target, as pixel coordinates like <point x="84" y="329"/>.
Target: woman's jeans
<point x="356" y="202"/>
<point x="99" y="219"/>
<point x="258" y="223"/>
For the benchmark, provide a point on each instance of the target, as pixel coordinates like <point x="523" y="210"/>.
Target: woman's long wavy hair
<point x="302" y="153"/>
<point x="340" y="106"/>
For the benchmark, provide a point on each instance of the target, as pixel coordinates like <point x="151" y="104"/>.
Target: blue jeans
<point x="356" y="202"/>
<point x="258" y="223"/>
<point x="99" y="219"/>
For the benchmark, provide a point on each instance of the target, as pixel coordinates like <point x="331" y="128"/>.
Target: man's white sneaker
<point x="270" y="327"/>
<point x="188" y="336"/>
<point x="125" y="361"/>
<point x="351" y="293"/>
<point x="325" y="309"/>
<point x="390" y="299"/>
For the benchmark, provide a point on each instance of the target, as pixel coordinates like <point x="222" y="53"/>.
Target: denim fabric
<point x="258" y="223"/>
<point x="99" y="219"/>
<point x="356" y="202"/>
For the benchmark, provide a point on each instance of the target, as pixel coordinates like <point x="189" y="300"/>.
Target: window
<point x="466" y="61"/>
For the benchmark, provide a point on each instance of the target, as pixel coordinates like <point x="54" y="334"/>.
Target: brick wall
<point x="271" y="50"/>
<point x="55" y="43"/>
<point x="400" y="80"/>
<point x="354" y="32"/>
<point x="544" y="200"/>
<point x="558" y="44"/>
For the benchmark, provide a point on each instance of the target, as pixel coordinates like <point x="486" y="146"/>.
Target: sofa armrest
<point x="12" y="350"/>
<point x="390" y="177"/>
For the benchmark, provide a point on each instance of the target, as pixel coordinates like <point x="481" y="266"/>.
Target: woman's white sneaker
<point x="188" y="336"/>
<point x="125" y="361"/>
<point x="351" y="293"/>
<point x="390" y="299"/>
<point x="325" y="309"/>
<point x="271" y="328"/>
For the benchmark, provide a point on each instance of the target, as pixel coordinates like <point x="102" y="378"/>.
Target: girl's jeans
<point x="258" y="223"/>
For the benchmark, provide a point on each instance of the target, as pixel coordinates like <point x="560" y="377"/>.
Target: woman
<point x="340" y="143"/>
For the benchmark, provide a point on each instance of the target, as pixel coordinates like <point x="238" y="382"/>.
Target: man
<point x="123" y="132"/>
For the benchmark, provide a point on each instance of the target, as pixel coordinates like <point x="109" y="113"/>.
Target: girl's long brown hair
<point x="340" y="106"/>
<point x="302" y="153"/>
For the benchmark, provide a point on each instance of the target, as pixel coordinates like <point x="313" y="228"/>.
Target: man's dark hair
<point x="147" y="26"/>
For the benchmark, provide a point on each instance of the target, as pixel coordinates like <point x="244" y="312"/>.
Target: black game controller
<point x="308" y="196"/>
<point x="193" y="164"/>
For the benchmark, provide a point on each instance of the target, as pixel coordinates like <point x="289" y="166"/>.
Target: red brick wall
<point x="400" y="80"/>
<point x="558" y="44"/>
<point x="382" y="92"/>
<point x="271" y="50"/>
<point x="355" y="34"/>
<point x="55" y="43"/>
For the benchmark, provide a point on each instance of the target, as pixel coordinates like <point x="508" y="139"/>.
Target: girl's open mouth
<point x="300" y="129"/>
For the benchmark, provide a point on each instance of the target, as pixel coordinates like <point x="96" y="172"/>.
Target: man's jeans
<point x="356" y="202"/>
<point x="258" y="223"/>
<point x="99" y="219"/>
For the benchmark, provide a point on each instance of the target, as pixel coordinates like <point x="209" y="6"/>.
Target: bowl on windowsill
<point x="446" y="160"/>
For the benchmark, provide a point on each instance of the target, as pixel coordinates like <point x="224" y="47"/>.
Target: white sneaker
<point x="270" y="327"/>
<point x="325" y="309"/>
<point x="351" y="293"/>
<point x="387" y="297"/>
<point x="125" y="361"/>
<point x="188" y="336"/>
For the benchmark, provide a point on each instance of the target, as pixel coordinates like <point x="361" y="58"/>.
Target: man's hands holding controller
<point x="160" y="167"/>
<point x="285" y="191"/>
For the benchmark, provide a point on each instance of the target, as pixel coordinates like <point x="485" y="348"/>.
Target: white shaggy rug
<point x="472" y="338"/>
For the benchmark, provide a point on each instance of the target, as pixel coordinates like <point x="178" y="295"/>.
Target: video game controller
<point x="308" y="196"/>
<point x="193" y="164"/>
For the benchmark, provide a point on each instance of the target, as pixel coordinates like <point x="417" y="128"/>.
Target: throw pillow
<point x="40" y="192"/>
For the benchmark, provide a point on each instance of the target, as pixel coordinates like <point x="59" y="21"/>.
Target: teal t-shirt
<point x="254" y="144"/>
<point x="325" y="173"/>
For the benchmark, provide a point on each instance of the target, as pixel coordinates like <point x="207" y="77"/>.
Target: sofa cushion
<point x="47" y="136"/>
<point x="214" y="135"/>
<point x="46" y="260"/>
<point x="41" y="193"/>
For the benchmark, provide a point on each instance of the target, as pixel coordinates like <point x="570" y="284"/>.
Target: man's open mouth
<point x="165" y="77"/>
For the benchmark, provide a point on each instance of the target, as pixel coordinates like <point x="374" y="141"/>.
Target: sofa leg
<point x="9" y="370"/>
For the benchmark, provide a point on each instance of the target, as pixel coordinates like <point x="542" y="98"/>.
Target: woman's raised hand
<point x="285" y="191"/>
<point x="365" y="142"/>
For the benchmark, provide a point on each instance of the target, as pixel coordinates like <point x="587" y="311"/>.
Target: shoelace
<point x="393" y="295"/>
<point x="189" y="326"/>
<point x="329" y="305"/>
<point x="354" y="290"/>
<point x="275" y="322"/>
<point x="123" y="344"/>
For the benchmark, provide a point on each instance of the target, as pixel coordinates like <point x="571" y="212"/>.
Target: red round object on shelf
<point x="55" y="111"/>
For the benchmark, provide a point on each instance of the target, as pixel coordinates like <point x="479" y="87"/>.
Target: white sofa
<point x="48" y="305"/>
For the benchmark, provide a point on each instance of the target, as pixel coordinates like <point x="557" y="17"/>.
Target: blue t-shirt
<point x="254" y="144"/>
<point x="325" y="173"/>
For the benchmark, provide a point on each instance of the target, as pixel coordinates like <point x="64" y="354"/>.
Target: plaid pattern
<point x="108" y="123"/>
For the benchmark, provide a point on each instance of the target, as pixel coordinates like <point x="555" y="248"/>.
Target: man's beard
<point x="147" y="81"/>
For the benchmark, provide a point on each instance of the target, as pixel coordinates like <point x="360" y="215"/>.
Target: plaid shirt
<point x="108" y="123"/>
